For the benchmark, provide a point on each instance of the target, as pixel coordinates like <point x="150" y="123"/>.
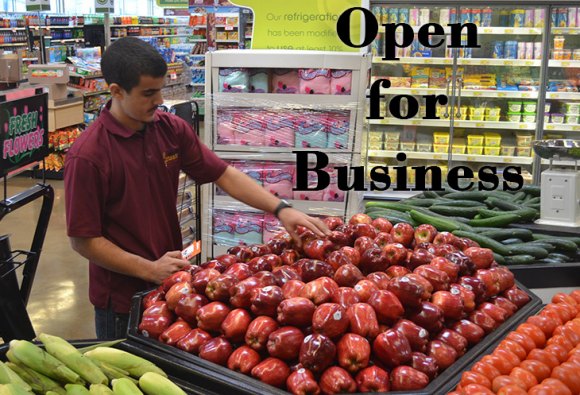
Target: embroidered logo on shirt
<point x="169" y="157"/>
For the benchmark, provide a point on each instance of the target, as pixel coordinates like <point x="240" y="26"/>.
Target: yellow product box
<point x="441" y="138"/>
<point x="437" y="78"/>
<point x="441" y="148"/>
<point x="424" y="147"/>
<point x="392" y="136"/>
<point x="492" y="139"/>
<point x="523" y="139"/>
<point x="375" y="137"/>
<point x="492" y="118"/>
<point x="419" y="82"/>
<point x="474" y="150"/>
<point x="523" y="151"/>
<point x="493" y="111"/>
<point x="376" y="145"/>
<point x="476" y="118"/>
<point x="222" y="35"/>
<point x="400" y="82"/>
<point x="233" y="36"/>
<point x="458" y="149"/>
<point x="475" y="140"/>
<point x="408" y="146"/>
<point x="419" y="71"/>
<point x="492" y="151"/>
<point x="476" y="112"/>
<point x="507" y="150"/>
<point x="391" y="145"/>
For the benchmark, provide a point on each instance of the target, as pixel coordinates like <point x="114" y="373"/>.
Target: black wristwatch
<point x="283" y="204"/>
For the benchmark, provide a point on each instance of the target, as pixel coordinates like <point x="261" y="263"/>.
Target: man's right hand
<point x="165" y="266"/>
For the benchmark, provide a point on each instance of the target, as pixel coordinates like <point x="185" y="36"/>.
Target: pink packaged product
<point x="250" y="129"/>
<point x="251" y="168"/>
<point x="311" y="130"/>
<point x="315" y="196"/>
<point x="224" y="227"/>
<point x="314" y="81"/>
<point x="249" y="228"/>
<point x="332" y="193"/>
<point x="225" y="127"/>
<point x="341" y="82"/>
<point x="338" y="127"/>
<point x="279" y="179"/>
<point x="272" y="227"/>
<point x="234" y="80"/>
<point x="285" y="81"/>
<point x="280" y="128"/>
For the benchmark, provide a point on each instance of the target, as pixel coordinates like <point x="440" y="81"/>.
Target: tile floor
<point x="59" y="302"/>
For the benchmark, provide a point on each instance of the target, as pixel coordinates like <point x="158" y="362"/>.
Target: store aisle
<point x="59" y="302"/>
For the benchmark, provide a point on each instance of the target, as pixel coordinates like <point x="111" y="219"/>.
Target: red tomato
<point x="564" y="311"/>
<point x="512" y="346"/>
<point x="486" y="370"/>
<point x="541" y="389"/>
<point x="569" y="374"/>
<point x="474" y="378"/>
<point x="570" y="333"/>
<point x="561" y="341"/>
<point x="558" y="351"/>
<point x="557" y="386"/>
<point x="539" y="369"/>
<point x="504" y="366"/>
<point x="525" y="376"/>
<point x="503" y="380"/>
<point x="512" y="389"/>
<point x="546" y="323"/>
<point x="534" y="332"/>
<point x="563" y="298"/>
<point x="476" y="389"/>
<point x="544" y="357"/>
<point x="523" y="340"/>
<point x="552" y="314"/>
<point x="576" y="295"/>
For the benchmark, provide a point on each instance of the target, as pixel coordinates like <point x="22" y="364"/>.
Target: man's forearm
<point x="109" y="256"/>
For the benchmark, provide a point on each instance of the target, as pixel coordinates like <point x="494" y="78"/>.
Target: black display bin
<point x="186" y="365"/>
<point x="188" y="386"/>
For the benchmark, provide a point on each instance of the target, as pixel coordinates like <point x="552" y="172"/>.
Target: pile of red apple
<point x="371" y="308"/>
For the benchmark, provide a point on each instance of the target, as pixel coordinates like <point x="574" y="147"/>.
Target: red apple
<point x="336" y="380"/>
<point x="353" y="352"/>
<point x="317" y="352"/>
<point x="482" y="258"/>
<point x="427" y="286"/>
<point x="157" y="295"/>
<point x="318" y="248"/>
<point x="296" y="311"/>
<point x="483" y="320"/>
<point x="284" y="274"/>
<point x="382" y="224"/>
<point x="466" y="267"/>
<point x="387" y="306"/>
<point x="454" y="339"/>
<point x="427" y="316"/>
<point x="373" y="260"/>
<point x="360" y="230"/>
<point x="498" y="314"/>
<point x="266" y="278"/>
<point x="405" y="378"/>
<point x="292" y="289"/>
<point x="438" y="278"/>
<point x="466" y="295"/>
<point x="445" y="265"/>
<point x="192" y="269"/>
<point x="425" y="233"/>
<point x="260" y="250"/>
<point x="395" y="254"/>
<point x="240" y="270"/>
<point x="243" y="360"/>
<point x="444" y="354"/>
<point x="302" y="382"/>
<point x="285" y="343"/>
<point x="397" y="271"/>
<point x="425" y="364"/>
<point x="470" y="331"/>
<point x="419" y="257"/>
<point x="177" y="277"/>
<point x="347" y="275"/>
<point x="227" y="259"/>
<point x="259" y="264"/>
<point x="408" y="290"/>
<point x="265" y="300"/>
<point x="307" y="236"/>
<point x="364" y="243"/>
<point x="175" y="293"/>
<point x="288" y="257"/>
<point x="450" y="303"/>
<point x="352" y="253"/>
<point x="463" y="243"/>
<point x="243" y="254"/>
<point x="403" y="233"/>
<point x="363" y="320"/>
<point x="201" y="278"/>
<point x="392" y="348"/>
<point x="476" y="286"/>
<point x="218" y="289"/>
<point x="175" y="332"/>
<point x="491" y="280"/>
<point x="272" y="371"/>
<point x="241" y="293"/>
<point x="193" y="341"/>
<point x="156" y="319"/>
<point x="505" y="304"/>
<point x="330" y="320"/>
<point x="383" y="239"/>
<point x="364" y="289"/>
<point x="337" y="259"/>
<point x="217" y="350"/>
<point x="188" y="305"/>
<point x="211" y="316"/>
<point x="258" y="332"/>
<point x="236" y="324"/>
<point x="339" y="238"/>
<point x="360" y="218"/>
<point x="517" y="297"/>
<point x="444" y="238"/>
<point x="380" y="278"/>
<point x="320" y="290"/>
<point x="373" y="379"/>
<point x="311" y="269"/>
<point x="418" y="337"/>
<point x="333" y="222"/>
<point x="214" y="264"/>
<point x="345" y="297"/>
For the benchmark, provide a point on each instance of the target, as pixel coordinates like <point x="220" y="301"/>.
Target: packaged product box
<point x="285" y="81"/>
<point x="222" y="35"/>
<point x="420" y="77"/>
<point x="259" y="80"/>
<point x="332" y="193"/>
<point x="234" y="80"/>
<point x="341" y="82"/>
<point x="437" y="78"/>
<point x="251" y="168"/>
<point x="315" y="196"/>
<point x="233" y="36"/>
<point x="272" y="227"/>
<point x="338" y="129"/>
<point x="249" y="228"/>
<point x="280" y="129"/>
<point x="311" y="130"/>
<point x="250" y="129"/>
<point x="224" y="223"/>
<point x="314" y="81"/>
<point x="400" y="82"/>
<point x="225" y="127"/>
<point x="278" y="179"/>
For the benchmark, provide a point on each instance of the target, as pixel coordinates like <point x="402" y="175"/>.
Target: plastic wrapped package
<point x="224" y="227"/>
<point x="280" y="128"/>
<point x="249" y="227"/>
<point x="311" y="131"/>
<point x="234" y="80"/>
<point x="315" y="81"/>
<point x="250" y="128"/>
<point x="341" y="82"/>
<point x="279" y="179"/>
<point x="285" y="81"/>
<point x="259" y="81"/>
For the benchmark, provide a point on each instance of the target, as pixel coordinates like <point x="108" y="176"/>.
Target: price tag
<point x="415" y="122"/>
<point x="557" y="31"/>
<point x="173" y="76"/>
<point x="479" y="125"/>
<point x="501" y="94"/>
<point x="485" y="62"/>
<point x="529" y="63"/>
<point x="576" y="128"/>
<point x="428" y="61"/>
<point x="526" y="95"/>
<point x="439" y="157"/>
<point x="229" y="28"/>
<point x="508" y="62"/>
<point x="565" y="64"/>
<point x="523" y="126"/>
<point x="447" y="61"/>
<point x="487" y="30"/>
<point x="476" y="93"/>
<point x="550" y="127"/>
<point x="507" y="160"/>
<point x="471" y="158"/>
<point x="191" y="251"/>
<point x="509" y="31"/>
<point x="415" y="92"/>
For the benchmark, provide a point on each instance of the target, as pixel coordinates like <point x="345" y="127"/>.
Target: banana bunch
<point x="62" y="369"/>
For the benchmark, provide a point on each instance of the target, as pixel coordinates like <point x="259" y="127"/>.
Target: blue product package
<point x="554" y="17"/>
<point x="393" y="15"/>
<point x="486" y="17"/>
<point x="233" y="80"/>
<point x="339" y="125"/>
<point x="498" y="47"/>
<point x="259" y="81"/>
<point x="562" y="17"/>
<point x="465" y="15"/>
<point x="510" y="50"/>
<point x="504" y="18"/>
<point x="249" y="228"/>
<point x="311" y="130"/>
<point x="452" y="15"/>
<point x="403" y="15"/>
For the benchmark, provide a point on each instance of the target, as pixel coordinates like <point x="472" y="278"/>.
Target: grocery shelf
<point x="67" y="40"/>
<point x="561" y="162"/>
<point x="86" y="77"/>
<point x="563" y="95"/>
<point x="151" y="25"/>
<point x="307" y="206"/>
<point x="281" y="100"/>
<point x="562" y="127"/>
<point x="524" y="160"/>
<point x="226" y="41"/>
<point x="13" y="44"/>
<point x="89" y="93"/>
<point x="11" y="29"/>
<point x="227" y="26"/>
<point x="464" y="61"/>
<point x="565" y="30"/>
<point x="60" y="27"/>
<point x="197" y="84"/>
<point x="29" y="59"/>
<point x="464" y="92"/>
<point x="564" y="63"/>
<point x="199" y="26"/>
<point x="460" y="124"/>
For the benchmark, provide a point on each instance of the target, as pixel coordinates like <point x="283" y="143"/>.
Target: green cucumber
<point x="484" y="241"/>
<point x="499" y="258"/>
<point x="469" y="195"/>
<point x="546" y="246"/>
<point x="506" y="242"/>
<point x="540" y="236"/>
<point x="499" y="221"/>
<point x="421" y="202"/>
<point x="458" y="203"/>
<point x="519" y="196"/>
<point x="527" y="198"/>
<point x="467" y="212"/>
<point x="487" y="213"/>
<point x="520" y="259"/>
<point x="528" y="249"/>
<point x="535" y="200"/>
<point x="441" y="224"/>
<point x="503" y="204"/>
<point x="500" y="195"/>
<point x="550" y="261"/>
<point x="562" y="257"/>
<point x="533" y="190"/>
<point x="502" y="234"/>
<point x="431" y="194"/>
<point x="390" y="205"/>
<point x="561" y="244"/>
<point x="394" y="219"/>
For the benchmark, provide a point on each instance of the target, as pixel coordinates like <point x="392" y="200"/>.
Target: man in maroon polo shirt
<point x="121" y="179"/>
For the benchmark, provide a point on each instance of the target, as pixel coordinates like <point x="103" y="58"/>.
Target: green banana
<point x="76" y="389"/>
<point x="8" y="376"/>
<point x="36" y="358"/>
<point x="136" y="366"/>
<point x="39" y="382"/>
<point x="100" y="389"/>
<point x="13" y="389"/>
<point x="154" y="384"/>
<point x="125" y="387"/>
<point x="73" y="359"/>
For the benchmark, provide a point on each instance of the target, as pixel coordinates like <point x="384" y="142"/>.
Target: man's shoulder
<point x="90" y="143"/>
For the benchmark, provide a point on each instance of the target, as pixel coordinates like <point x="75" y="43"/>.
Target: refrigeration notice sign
<point x="37" y="5"/>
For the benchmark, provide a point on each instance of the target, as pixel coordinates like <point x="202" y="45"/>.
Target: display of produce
<point x="56" y="367"/>
<point x="367" y="307"/>
<point x="540" y="357"/>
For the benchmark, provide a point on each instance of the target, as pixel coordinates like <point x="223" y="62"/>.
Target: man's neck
<point x="125" y="120"/>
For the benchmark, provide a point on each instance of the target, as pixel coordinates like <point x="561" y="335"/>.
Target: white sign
<point x="104" y="6"/>
<point x="37" y="5"/>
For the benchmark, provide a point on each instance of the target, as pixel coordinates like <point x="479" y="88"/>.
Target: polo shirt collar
<point x="114" y="126"/>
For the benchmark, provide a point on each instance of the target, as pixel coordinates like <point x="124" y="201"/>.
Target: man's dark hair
<point x="126" y="60"/>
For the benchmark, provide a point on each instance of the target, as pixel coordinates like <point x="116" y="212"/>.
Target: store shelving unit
<point x="255" y="105"/>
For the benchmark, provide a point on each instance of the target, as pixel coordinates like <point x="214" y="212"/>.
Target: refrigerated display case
<point x="497" y="93"/>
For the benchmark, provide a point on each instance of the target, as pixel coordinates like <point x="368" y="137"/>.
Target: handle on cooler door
<point x="446" y="115"/>
<point x="460" y="85"/>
